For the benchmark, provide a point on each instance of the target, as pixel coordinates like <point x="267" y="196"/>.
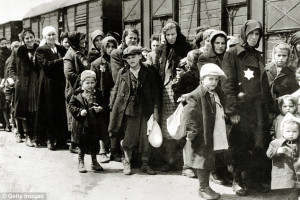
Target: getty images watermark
<point x="23" y="195"/>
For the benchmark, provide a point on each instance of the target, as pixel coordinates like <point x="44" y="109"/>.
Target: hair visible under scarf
<point x="74" y="38"/>
<point x="249" y="26"/>
<point x="24" y="32"/>
<point x="105" y="41"/>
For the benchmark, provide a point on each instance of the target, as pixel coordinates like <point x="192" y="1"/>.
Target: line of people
<point x="101" y="100"/>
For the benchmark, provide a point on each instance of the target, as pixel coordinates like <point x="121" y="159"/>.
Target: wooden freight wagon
<point x="76" y="15"/>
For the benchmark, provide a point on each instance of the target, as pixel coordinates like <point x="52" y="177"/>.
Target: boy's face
<point x="109" y="48"/>
<point x="134" y="60"/>
<point x="280" y="57"/>
<point x="290" y="131"/>
<point x="288" y="106"/>
<point x="89" y="84"/>
<point x="210" y="81"/>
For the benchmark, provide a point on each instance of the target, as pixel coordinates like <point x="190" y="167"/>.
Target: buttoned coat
<point x="285" y="166"/>
<point x="120" y="94"/>
<point x="199" y="116"/>
<point x="239" y="67"/>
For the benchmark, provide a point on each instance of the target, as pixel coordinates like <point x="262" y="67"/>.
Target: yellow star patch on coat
<point x="249" y="74"/>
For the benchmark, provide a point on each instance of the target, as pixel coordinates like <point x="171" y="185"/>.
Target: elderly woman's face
<point x="50" y="37"/>
<point x="171" y="35"/>
<point x="29" y="39"/>
<point x="253" y="37"/>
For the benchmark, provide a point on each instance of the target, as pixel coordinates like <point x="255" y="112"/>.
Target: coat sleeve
<point x="69" y="71"/>
<point x="12" y="65"/>
<point x="230" y="85"/>
<point x="114" y="91"/>
<point x="50" y="67"/>
<point x="116" y="63"/>
<point x="272" y="150"/>
<point x="74" y="109"/>
<point x="191" y="113"/>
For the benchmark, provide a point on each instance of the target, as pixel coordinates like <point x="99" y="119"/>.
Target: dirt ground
<point x="25" y="169"/>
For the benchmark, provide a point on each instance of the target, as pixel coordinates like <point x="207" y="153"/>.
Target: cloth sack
<point x="175" y="126"/>
<point x="154" y="133"/>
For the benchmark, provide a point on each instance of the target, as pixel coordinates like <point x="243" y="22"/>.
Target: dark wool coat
<point x="92" y="126"/>
<point x="148" y="96"/>
<point x="52" y="83"/>
<point x="75" y="62"/>
<point x="25" y="73"/>
<point x="117" y="61"/>
<point x="236" y="65"/>
<point x="285" y="167"/>
<point x="4" y="54"/>
<point x="104" y="78"/>
<point x="284" y="83"/>
<point x="199" y="118"/>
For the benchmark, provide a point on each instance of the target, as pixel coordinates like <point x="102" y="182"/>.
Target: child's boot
<point x="126" y="162"/>
<point x="95" y="165"/>
<point x="81" y="167"/>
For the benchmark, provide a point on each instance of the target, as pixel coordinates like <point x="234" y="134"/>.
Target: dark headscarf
<point x="295" y="39"/>
<point x="180" y="41"/>
<point x="74" y="38"/>
<point x="249" y="26"/>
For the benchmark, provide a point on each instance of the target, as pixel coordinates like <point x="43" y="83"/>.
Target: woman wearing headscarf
<point x="102" y="68"/>
<point x="75" y="62"/>
<point x="245" y="107"/>
<point x="130" y="37"/>
<point x="25" y="73"/>
<point x="96" y="37"/>
<point x="51" y="121"/>
<point x="295" y="52"/>
<point x="168" y="56"/>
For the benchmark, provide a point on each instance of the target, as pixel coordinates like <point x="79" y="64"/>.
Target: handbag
<point x="175" y="126"/>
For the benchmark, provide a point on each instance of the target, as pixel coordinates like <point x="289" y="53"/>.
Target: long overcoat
<point x="25" y="73"/>
<point x="286" y="167"/>
<point x="51" y="98"/>
<point x="148" y="96"/>
<point x="199" y="119"/>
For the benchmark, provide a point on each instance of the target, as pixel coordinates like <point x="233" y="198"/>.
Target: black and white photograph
<point x="149" y="99"/>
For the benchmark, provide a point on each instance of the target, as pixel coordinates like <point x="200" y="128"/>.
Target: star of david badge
<point x="249" y="74"/>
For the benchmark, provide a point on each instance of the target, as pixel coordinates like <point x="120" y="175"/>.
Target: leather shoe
<point x="188" y="173"/>
<point x="147" y="169"/>
<point x="208" y="193"/>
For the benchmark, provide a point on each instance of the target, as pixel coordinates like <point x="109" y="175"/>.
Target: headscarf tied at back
<point x="74" y="39"/>
<point x="249" y="26"/>
<point x="295" y="39"/>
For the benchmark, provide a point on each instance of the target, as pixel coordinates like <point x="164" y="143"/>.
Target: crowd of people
<point x="237" y="110"/>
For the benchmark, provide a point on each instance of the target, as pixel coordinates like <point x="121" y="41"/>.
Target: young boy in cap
<point x="87" y="107"/>
<point x="133" y="100"/>
<point x="205" y="126"/>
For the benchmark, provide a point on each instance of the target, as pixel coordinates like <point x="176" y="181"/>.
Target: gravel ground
<point x="25" y="169"/>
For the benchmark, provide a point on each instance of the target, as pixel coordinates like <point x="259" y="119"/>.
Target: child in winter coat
<point x="205" y="126"/>
<point x="285" y="155"/>
<point x="133" y="100"/>
<point x="286" y="104"/>
<point x="86" y="106"/>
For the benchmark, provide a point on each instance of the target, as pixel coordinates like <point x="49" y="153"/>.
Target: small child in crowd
<point x="285" y="155"/>
<point x="205" y="126"/>
<point x="86" y="106"/>
<point x="286" y="104"/>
